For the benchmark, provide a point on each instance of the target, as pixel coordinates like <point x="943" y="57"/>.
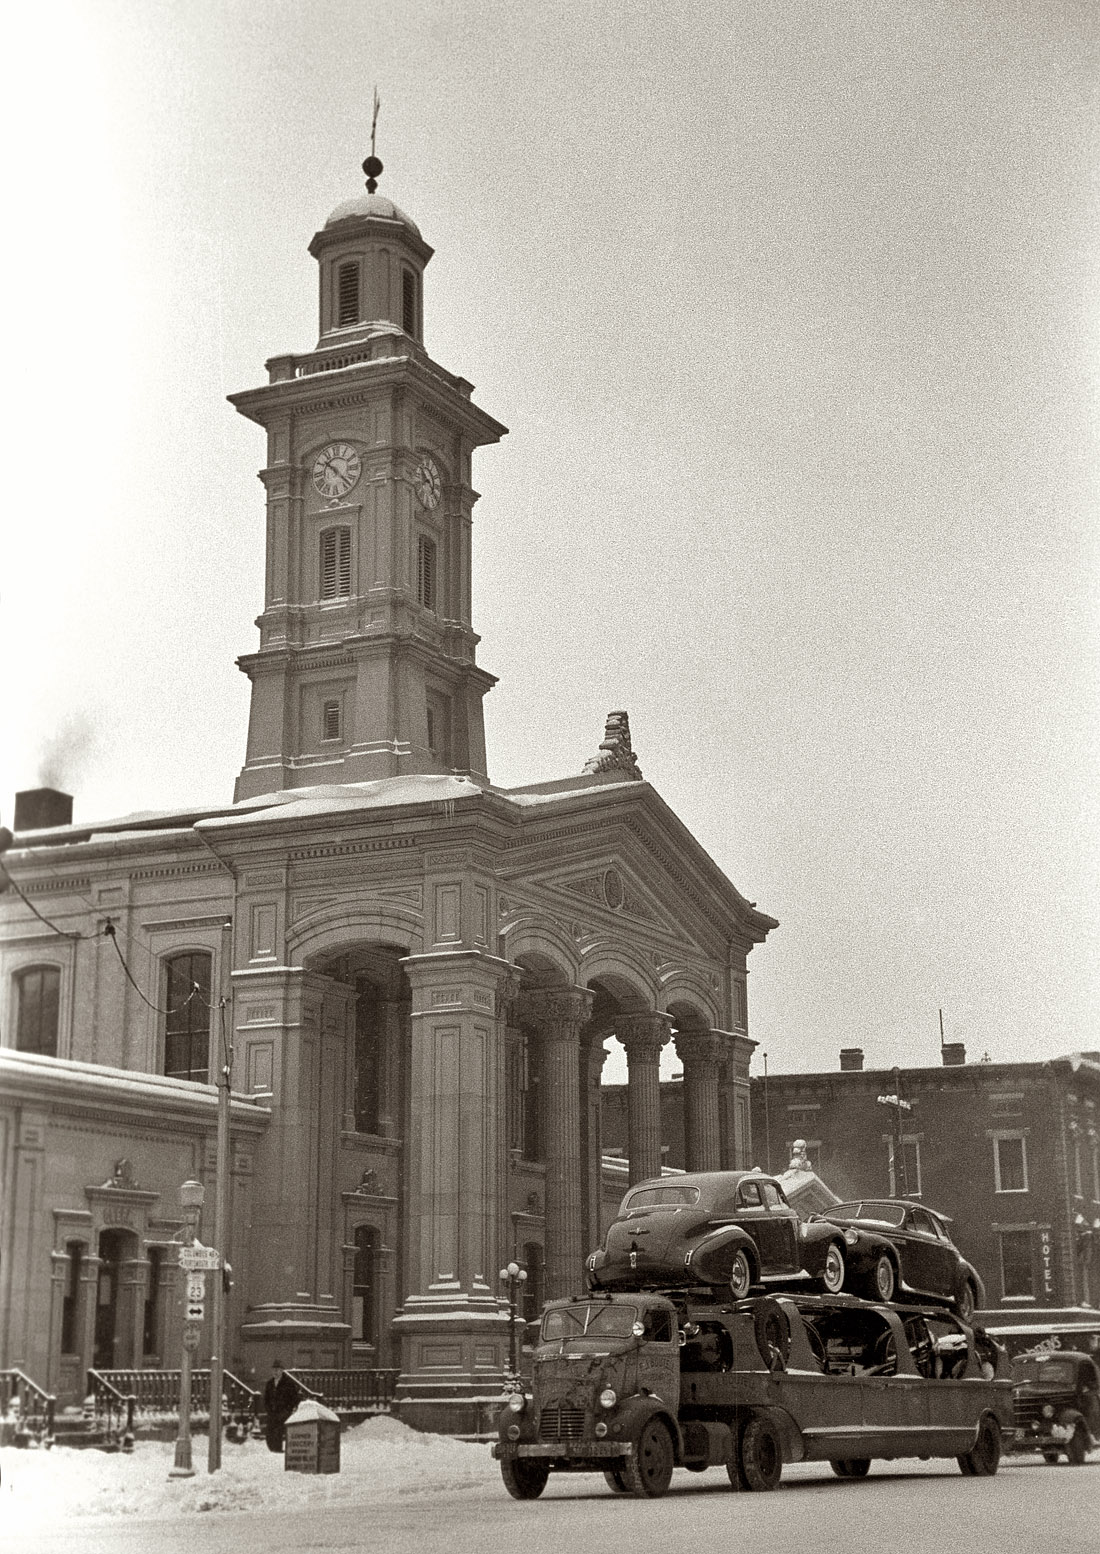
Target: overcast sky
<point x="792" y="310"/>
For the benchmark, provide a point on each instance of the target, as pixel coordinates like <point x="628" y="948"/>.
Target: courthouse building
<point x="418" y="972"/>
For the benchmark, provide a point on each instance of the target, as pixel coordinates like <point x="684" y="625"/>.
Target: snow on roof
<point x="340" y="797"/>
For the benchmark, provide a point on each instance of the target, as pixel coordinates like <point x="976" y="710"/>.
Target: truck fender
<point x="1071" y="1416"/>
<point x="794" y="1449"/>
<point x="638" y="1411"/>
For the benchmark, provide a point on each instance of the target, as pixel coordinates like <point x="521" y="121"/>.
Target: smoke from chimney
<point x="66" y="752"/>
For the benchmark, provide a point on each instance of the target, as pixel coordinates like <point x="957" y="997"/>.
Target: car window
<point x="646" y="1197"/>
<point x="919" y="1220"/>
<point x="748" y="1195"/>
<point x="771" y="1195"/>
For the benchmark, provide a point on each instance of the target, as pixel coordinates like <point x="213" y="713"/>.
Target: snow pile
<point x="380" y="1459"/>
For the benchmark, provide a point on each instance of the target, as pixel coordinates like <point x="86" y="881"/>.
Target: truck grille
<point x="561" y="1422"/>
<point x="1028" y="1409"/>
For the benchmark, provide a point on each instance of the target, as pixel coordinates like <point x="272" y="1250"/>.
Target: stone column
<point x="558" y="1014"/>
<point x="593" y="1057"/>
<point x="452" y="1327"/>
<point x="643" y="1036"/>
<point x="700" y="1052"/>
<point x="733" y="1101"/>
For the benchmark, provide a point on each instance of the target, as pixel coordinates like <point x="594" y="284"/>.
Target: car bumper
<point x="563" y="1451"/>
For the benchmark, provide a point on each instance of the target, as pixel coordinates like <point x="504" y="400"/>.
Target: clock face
<point x="427" y="483"/>
<point x="336" y="470"/>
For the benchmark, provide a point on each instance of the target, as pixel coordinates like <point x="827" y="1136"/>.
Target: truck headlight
<point x="513" y="1432"/>
<point x="601" y="1429"/>
<point x="517" y="1402"/>
<point x="608" y="1397"/>
<point x="1048" y="1411"/>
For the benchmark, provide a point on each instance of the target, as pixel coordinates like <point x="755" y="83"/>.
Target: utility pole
<point x="221" y="1243"/>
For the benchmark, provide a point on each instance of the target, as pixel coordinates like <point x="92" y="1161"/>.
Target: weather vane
<point x="372" y="166"/>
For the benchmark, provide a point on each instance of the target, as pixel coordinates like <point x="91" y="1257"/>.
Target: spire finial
<point x="372" y="166"/>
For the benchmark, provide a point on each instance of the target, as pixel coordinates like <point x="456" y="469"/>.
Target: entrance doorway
<point x="110" y="1347"/>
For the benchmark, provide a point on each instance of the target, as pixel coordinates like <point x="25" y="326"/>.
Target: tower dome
<point x="373" y="207"/>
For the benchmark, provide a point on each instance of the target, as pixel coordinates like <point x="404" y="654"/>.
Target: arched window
<point x="425" y="572"/>
<point x="37" y="1001"/>
<point x="187" y="1023"/>
<point x="364" y="1294"/>
<point x="347" y="295"/>
<point x="335" y="563"/>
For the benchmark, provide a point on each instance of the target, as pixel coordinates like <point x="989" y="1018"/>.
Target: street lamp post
<point x="192" y="1194"/>
<point x="513" y="1277"/>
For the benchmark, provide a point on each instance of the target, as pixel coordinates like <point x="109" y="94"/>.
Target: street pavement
<point x="923" y="1508"/>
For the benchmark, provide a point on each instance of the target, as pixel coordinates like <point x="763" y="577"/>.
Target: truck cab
<point x="1057" y="1404"/>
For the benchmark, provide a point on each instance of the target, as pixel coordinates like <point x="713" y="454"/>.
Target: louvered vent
<point x="425" y="572"/>
<point x="347" y="294"/>
<point x="335" y="563"/>
<point x="330" y="720"/>
<point x="408" y="302"/>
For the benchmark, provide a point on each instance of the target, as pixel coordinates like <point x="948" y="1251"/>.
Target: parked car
<point x="1057" y="1404"/>
<point x="730" y="1228"/>
<point x="924" y="1260"/>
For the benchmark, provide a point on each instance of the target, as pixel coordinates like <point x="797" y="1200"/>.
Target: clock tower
<point x="367" y="660"/>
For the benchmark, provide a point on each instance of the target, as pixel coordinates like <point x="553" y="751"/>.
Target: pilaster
<point x="735" y="1127"/>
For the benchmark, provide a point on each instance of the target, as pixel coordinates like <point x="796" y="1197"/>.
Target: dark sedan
<point x="925" y="1260"/>
<point x="731" y="1228"/>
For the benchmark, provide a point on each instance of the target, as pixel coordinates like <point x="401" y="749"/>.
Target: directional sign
<point x="195" y="1311"/>
<point x="199" y="1259"/>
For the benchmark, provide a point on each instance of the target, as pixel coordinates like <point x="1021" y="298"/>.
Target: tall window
<point x="425" y="572"/>
<point x="1017" y="1268"/>
<point x="335" y="563"/>
<point x="364" y="1286"/>
<point x="70" y="1305"/>
<point x="368" y="1056"/>
<point x="1010" y="1162"/>
<point x="347" y="295"/>
<point x="408" y="302"/>
<point x="187" y="1022"/>
<point x="37" y="1000"/>
<point x="150" y="1326"/>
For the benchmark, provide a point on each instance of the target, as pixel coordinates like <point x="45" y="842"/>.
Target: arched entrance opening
<point x="113" y="1332"/>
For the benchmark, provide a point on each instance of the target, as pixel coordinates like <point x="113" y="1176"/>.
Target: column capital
<point x="695" y="1048"/>
<point x="594" y="1054"/>
<point x="643" y="1034"/>
<point x="557" y="1012"/>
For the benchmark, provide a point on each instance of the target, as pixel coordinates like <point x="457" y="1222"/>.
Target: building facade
<point x="412" y="974"/>
<point x="1010" y="1151"/>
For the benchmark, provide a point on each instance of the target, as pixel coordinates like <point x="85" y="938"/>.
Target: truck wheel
<point x="832" y="1274"/>
<point x="882" y="1281"/>
<point x="1077" y="1448"/>
<point x="761" y="1454"/>
<point x="648" y="1473"/>
<point x="740" y="1276"/>
<point x="1050" y="1458"/>
<point x="773" y="1333"/>
<point x="851" y="1467"/>
<point x="982" y="1460"/>
<point x="613" y="1478"/>
<point x="524" y="1477"/>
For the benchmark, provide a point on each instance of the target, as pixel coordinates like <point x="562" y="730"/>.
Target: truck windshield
<point x="1051" y="1373"/>
<point x="589" y="1321"/>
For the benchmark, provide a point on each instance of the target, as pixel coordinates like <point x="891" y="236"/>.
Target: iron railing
<point x="27" y="1409"/>
<point x="154" y="1395"/>
<point x="112" y="1411"/>
<point x="349" y="1389"/>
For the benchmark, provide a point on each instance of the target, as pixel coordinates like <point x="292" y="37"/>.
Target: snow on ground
<point x="380" y="1459"/>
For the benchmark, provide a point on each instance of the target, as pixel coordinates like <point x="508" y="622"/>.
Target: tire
<point x="851" y="1467"/>
<point x="966" y="1301"/>
<point x="773" y="1333"/>
<point x="882" y="1282"/>
<point x="1050" y="1458"/>
<point x="740" y="1275"/>
<point x="1077" y="1447"/>
<point x="761" y="1454"/>
<point x="983" y="1458"/>
<point x="524" y="1477"/>
<point x="648" y="1473"/>
<point x="835" y="1271"/>
<point x="613" y="1478"/>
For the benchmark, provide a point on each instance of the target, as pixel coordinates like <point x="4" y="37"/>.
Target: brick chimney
<point x="851" y="1060"/>
<point x="37" y="808"/>
<point x="953" y="1054"/>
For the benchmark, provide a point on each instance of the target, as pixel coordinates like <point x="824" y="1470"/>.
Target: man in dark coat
<point x="280" y="1401"/>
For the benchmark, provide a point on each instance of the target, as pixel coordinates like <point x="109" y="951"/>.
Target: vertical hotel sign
<point x="1046" y="1258"/>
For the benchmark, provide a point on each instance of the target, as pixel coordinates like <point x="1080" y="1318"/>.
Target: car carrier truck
<point x="633" y="1384"/>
